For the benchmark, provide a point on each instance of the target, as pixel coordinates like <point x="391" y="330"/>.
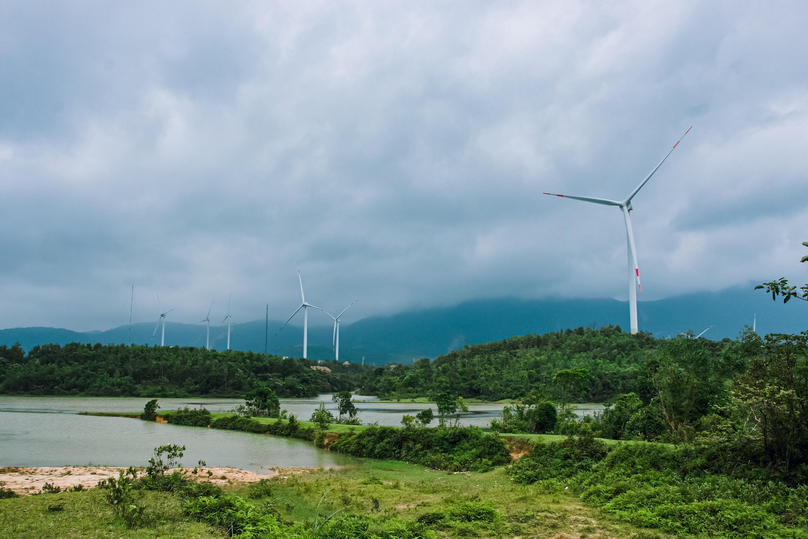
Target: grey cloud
<point x="397" y="152"/>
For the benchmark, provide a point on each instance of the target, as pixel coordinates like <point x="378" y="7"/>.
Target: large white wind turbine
<point x="228" y="319"/>
<point x="305" y="306"/>
<point x="625" y="207"/>
<point x="335" y="338"/>
<point x="163" y="320"/>
<point x="207" y="321"/>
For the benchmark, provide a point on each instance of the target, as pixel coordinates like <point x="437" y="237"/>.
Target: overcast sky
<point x="397" y="151"/>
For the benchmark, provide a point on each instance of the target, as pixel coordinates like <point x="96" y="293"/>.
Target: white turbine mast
<point x="228" y="319"/>
<point x="207" y="321"/>
<point x="625" y="208"/>
<point x="305" y="306"/>
<point x="754" y="324"/>
<point x="163" y="320"/>
<point x="335" y="337"/>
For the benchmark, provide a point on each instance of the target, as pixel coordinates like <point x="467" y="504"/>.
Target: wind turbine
<point x="207" y="320"/>
<point x="163" y="320"/>
<point x="335" y="338"/>
<point x="228" y="319"/>
<point x="305" y="306"/>
<point x="625" y="207"/>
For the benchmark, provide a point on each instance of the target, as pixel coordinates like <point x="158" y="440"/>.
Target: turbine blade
<point x="630" y="232"/>
<point x="228" y="303"/>
<point x="157" y="326"/>
<point x="603" y="201"/>
<point x="637" y="190"/>
<point x="345" y="309"/>
<point x="211" y="307"/>
<point x="299" y="278"/>
<point x="293" y="315"/>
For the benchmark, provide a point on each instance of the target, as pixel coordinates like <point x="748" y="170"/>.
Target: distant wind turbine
<point x="335" y="338"/>
<point x="625" y="207"/>
<point x="754" y="324"/>
<point x="305" y="306"/>
<point x="163" y="320"/>
<point x="207" y="321"/>
<point x="228" y="319"/>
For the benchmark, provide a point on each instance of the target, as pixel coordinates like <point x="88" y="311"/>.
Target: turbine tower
<point x="305" y="306"/>
<point x="625" y="207"/>
<point x="335" y="338"/>
<point x="163" y="320"/>
<point x="228" y="319"/>
<point x="207" y="320"/>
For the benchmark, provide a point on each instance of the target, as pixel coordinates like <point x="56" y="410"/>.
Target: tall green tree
<point x="262" y="401"/>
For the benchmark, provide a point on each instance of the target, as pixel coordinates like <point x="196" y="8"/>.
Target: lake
<point x="46" y="431"/>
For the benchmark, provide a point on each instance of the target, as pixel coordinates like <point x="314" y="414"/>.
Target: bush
<point x="559" y="460"/>
<point x="237" y="517"/>
<point x="196" y="417"/>
<point x="450" y="448"/>
<point x="6" y="493"/>
<point x="120" y="495"/>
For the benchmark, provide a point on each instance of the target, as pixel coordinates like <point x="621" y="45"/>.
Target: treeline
<point x="120" y="370"/>
<point x="617" y="363"/>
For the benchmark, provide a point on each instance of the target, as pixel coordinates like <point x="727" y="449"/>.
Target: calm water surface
<point x="46" y="431"/>
<point x="370" y="411"/>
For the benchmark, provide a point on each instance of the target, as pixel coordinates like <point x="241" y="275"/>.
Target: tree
<point x="262" y="401"/>
<point x="322" y="417"/>
<point x="685" y="383"/>
<point x="780" y="287"/>
<point x="425" y="417"/>
<point x="447" y="405"/>
<point x="570" y="383"/>
<point x="150" y="410"/>
<point x="345" y="405"/>
<point x="773" y="393"/>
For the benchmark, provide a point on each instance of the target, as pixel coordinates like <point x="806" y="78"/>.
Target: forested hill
<point x="431" y="332"/>
<point x="118" y="370"/>
<point x="615" y="363"/>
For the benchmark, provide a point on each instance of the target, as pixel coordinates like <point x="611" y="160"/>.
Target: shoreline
<point x="27" y="481"/>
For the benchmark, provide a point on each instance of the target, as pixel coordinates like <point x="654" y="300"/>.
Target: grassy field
<point x="385" y="493"/>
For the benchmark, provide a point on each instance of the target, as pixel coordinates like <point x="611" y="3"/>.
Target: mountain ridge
<point x="430" y="332"/>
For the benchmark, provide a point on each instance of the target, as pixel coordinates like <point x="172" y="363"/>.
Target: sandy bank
<point x="30" y="480"/>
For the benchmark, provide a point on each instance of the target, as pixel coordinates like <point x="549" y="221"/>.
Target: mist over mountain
<point x="431" y="332"/>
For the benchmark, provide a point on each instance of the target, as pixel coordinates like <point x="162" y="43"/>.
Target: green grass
<point x="87" y="514"/>
<point x="406" y="491"/>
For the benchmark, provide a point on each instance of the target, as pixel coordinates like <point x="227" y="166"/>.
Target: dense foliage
<point x="578" y="365"/>
<point x="447" y="448"/>
<point x="681" y="490"/>
<point x="118" y="370"/>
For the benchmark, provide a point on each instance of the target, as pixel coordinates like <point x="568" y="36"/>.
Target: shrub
<point x="451" y="448"/>
<point x="197" y="417"/>
<point x="120" y="495"/>
<point x="237" y="517"/>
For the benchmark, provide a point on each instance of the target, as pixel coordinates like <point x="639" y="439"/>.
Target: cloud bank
<point x="398" y="152"/>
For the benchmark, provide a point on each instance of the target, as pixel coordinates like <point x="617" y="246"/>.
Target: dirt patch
<point x="31" y="480"/>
